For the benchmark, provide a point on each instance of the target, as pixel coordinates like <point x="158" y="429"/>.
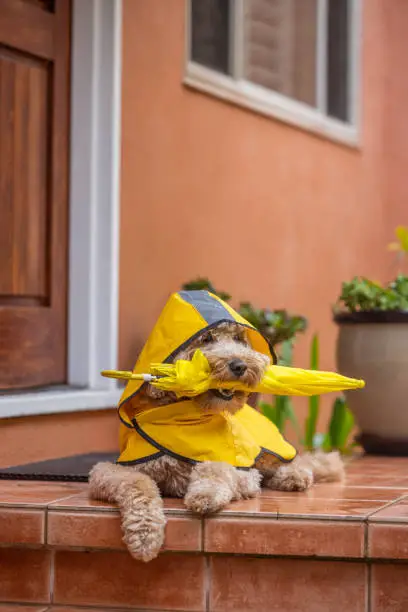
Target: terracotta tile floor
<point x="375" y="491"/>
<point x="342" y="541"/>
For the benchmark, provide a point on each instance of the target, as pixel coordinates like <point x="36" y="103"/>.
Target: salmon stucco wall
<point x="395" y="152"/>
<point x="37" y="438"/>
<point x="269" y="212"/>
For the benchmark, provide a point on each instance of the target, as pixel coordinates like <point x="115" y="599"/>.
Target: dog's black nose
<point x="237" y="367"/>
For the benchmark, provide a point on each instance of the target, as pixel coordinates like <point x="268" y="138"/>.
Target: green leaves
<point x="280" y="412"/>
<point x="256" y="316"/>
<point x="205" y="283"/>
<point x="314" y="400"/>
<point x="276" y="325"/>
<point x="341" y="425"/>
<point x="401" y="245"/>
<point x="400" y="286"/>
<point x="286" y="353"/>
<point x="340" y="429"/>
<point x="362" y="294"/>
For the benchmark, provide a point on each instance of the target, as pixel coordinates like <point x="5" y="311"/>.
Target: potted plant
<point x="372" y="344"/>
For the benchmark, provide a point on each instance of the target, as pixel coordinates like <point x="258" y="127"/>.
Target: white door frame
<point x="94" y="209"/>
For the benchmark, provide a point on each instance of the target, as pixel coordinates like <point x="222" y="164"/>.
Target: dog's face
<point x="231" y="358"/>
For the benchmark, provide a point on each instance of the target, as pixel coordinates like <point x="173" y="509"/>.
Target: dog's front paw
<point x="143" y="531"/>
<point x="249" y="484"/>
<point x="207" y="501"/>
<point x="290" y="478"/>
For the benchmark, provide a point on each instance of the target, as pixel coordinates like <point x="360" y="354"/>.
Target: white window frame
<point x="236" y="90"/>
<point x="94" y="209"/>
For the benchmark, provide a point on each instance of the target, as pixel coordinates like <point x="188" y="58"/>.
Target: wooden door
<point x="34" y="118"/>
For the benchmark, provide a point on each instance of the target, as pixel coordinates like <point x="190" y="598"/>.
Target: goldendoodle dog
<point x="137" y="482"/>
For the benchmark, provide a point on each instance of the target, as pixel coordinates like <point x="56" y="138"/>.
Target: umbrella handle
<point x="123" y="375"/>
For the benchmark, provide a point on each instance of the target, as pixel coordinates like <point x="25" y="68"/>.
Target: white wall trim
<point x="94" y="216"/>
<point x="321" y="56"/>
<point x="57" y="401"/>
<point x="269" y="103"/>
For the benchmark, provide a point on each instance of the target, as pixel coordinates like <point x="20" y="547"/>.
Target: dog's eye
<point x="207" y="338"/>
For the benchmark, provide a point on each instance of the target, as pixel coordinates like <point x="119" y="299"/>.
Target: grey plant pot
<point x="374" y="346"/>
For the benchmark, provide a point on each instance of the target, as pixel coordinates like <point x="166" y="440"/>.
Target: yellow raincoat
<point x="181" y="429"/>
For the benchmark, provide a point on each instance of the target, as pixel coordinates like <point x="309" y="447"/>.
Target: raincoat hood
<point x="186" y="315"/>
<point x="181" y="429"/>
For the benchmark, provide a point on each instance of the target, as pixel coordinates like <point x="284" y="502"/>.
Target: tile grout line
<point x="35" y="505"/>
<point x="368" y="587"/>
<point x="52" y="576"/>
<point x="368" y="523"/>
<point x="203" y="525"/>
<point x="207" y="569"/>
<point x="387" y="505"/>
<point x="207" y="583"/>
<point x="36" y="607"/>
<point x="365" y="551"/>
<point x="61" y="499"/>
<point x="45" y="526"/>
<point x="77" y="608"/>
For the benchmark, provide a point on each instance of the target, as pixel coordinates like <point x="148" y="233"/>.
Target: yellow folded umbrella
<point x="191" y="378"/>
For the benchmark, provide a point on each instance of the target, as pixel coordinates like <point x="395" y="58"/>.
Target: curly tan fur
<point x="206" y="487"/>
<point x="326" y="467"/>
<point x="213" y="485"/>
<point x="140" y="504"/>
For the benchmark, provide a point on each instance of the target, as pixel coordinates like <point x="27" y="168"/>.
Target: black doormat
<point x="64" y="469"/>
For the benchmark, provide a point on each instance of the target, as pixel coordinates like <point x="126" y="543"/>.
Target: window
<point x="296" y="59"/>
